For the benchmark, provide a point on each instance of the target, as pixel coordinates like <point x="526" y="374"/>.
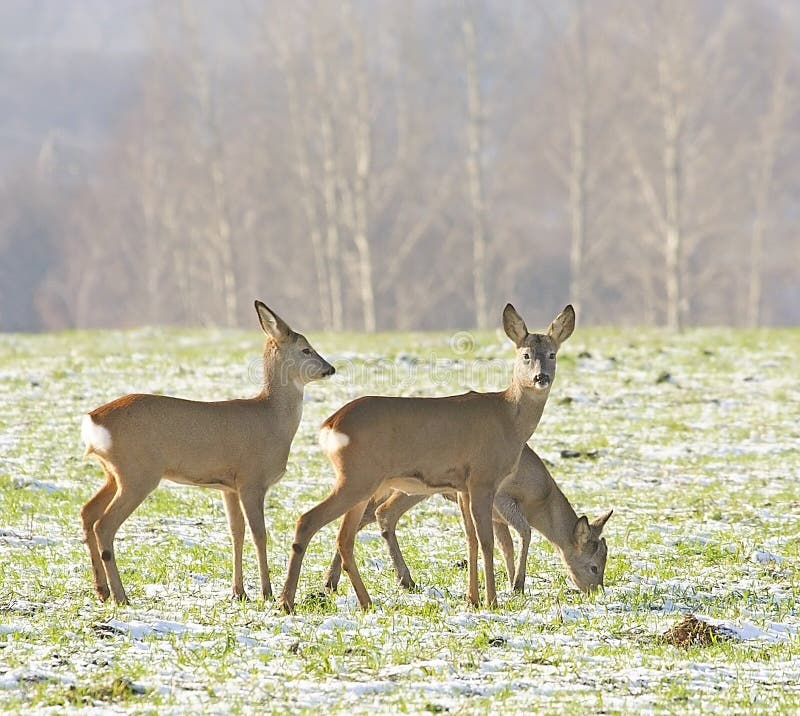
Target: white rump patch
<point x="332" y="440"/>
<point x="94" y="436"/>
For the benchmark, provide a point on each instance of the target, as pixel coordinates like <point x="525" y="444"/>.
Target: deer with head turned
<point x="464" y="443"/>
<point x="239" y="447"/>
<point x="528" y="498"/>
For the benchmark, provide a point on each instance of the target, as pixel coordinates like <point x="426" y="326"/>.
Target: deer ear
<point x="513" y="325"/>
<point x="562" y="326"/>
<point x="598" y="524"/>
<point x="582" y="532"/>
<point x="271" y="323"/>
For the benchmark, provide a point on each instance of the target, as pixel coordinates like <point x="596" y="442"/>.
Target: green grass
<point x="701" y="470"/>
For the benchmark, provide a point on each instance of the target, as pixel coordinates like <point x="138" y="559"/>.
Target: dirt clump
<point x="691" y="631"/>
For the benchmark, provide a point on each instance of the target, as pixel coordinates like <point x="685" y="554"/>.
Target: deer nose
<point x="331" y="370"/>
<point x="542" y="379"/>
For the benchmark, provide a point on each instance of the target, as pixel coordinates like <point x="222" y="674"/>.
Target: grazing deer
<point x="528" y="498"/>
<point x="464" y="443"/>
<point x="237" y="446"/>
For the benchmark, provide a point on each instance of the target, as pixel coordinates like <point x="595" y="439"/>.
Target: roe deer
<point x="237" y="446"/>
<point x="465" y="443"/>
<point x="528" y="498"/>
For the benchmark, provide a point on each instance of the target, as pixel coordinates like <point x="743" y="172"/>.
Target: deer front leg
<point x="503" y="535"/>
<point x="522" y="559"/>
<point x="510" y="511"/>
<point x="388" y="515"/>
<point x="481" y="505"/>
<point x="252" y="502"/>
<point x="233" y="511"/>
<point x="472" y="549"/>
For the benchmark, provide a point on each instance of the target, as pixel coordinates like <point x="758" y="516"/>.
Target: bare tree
<point x="771" y="129"/>
<point x="362" y="141"/>
<point x="303" y="168"/>
<point x="682" y="83"/>
<point x="366" y="159"/>
<point x="221" y="231"/>
<point x="474" y="164"/>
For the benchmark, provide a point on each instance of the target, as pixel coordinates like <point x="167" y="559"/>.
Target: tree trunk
<point x="578" y="195"/>
<point x="674" y="282"/>
<point x="363" y="166"/>
<point x="332" y="239"/>
<point x="771" y="128"/>
<point x="307" y="195"/>
<point x="221" y="232"/>
<point x="475" y="178"/>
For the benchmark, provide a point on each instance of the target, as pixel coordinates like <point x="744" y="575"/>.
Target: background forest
<point x="397" y="164"/>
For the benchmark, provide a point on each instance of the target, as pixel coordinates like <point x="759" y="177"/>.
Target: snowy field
<point x="693" y="440"/>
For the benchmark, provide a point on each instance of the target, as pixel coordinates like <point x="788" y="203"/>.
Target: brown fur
<point x="467" y="443"/>
<point x="529" y="498"/>
<point x="237" y="446"/>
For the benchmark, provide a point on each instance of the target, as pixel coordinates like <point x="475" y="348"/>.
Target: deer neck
<point x="282" y="394"/>
<point x="555" y="519"/>
<point x="526" y="406"/>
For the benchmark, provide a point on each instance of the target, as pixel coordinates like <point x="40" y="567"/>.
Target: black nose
<point x="542" y="379"/>
<point x="331" y="371"/>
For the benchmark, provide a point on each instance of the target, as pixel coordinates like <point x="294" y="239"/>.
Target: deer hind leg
<point x="503" y="535"/>
<point x="332" y="507"/>
<point x="90" y="513"/>
<point x="473" y="595"/>
<point x="233" y="511"/>
<point x="334" y="572"/>
<point x="345" y="544"/>
<point x="252" y="501"/>
<point x="130" y="494"/>
<point x="481" y="505"/>
<point x="388" y="515"/>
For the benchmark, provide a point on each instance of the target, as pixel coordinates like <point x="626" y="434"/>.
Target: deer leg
<point x="472" y="549"/>
<point x="252" y="501"/>
<point x="334" y="572"/>
<point x="388" y="515"/>
<point x="503" y="535"/>
<point x="129" y="496"/>
<point x="309" y="523"/>
<point x="481" y="505"/>
<point x="90" y="513"/>
<point x="511" y="513"/>
<point x="522" y="559"/>
<point x="233" y="510"/>
<point x="345" y="544"/>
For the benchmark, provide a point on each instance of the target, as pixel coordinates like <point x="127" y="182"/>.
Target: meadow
<point x="693" y="440"/>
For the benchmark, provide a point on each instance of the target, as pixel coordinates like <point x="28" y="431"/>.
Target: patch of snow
<point x="337" y="623"/>
<point x="763" y="556"/>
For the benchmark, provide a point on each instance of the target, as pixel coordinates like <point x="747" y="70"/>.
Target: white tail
<point x="237" y="446"/>
<point x="530" y="498"/>
<point x="94" y="436"/>
<point x="464" y="443"/>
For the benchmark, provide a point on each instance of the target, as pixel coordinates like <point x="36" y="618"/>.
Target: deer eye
<point x="552" y="356"/>
<point x="307" y="351"/>
<point x="526" y="356"/>
<point x="594" y="569"/>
